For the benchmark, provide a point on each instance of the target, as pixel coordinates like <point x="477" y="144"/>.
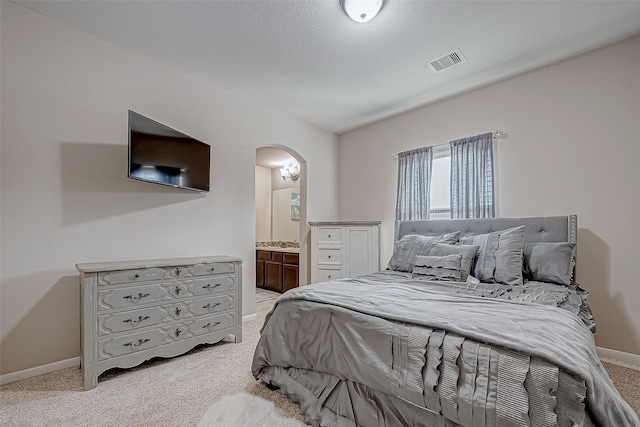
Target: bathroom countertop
<point x="278" y="249"/>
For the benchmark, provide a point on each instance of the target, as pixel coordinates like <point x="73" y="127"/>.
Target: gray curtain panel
<point x="472" y="191"/>
<point x="414" y="179"/>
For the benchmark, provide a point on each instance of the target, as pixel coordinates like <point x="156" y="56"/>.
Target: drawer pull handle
<point x="209" y="286"/>
<point x="178" y="332"/>
<point x="209" y="325"/>
<point x="329" y="276"/>
<point x="329" y="256"/>
<point x="140" y="342"/>
<point x="210" y="307"/>
<point x="136" y="298"/>
<point x="135" y="322"/>
<point x="329" y="235"/>
<point x="213" y="269"/>
<point x="178" y="290"/>
<point x="137" y="276"/>
<point x="178" y="271"/>
<point x="178" y="311"/>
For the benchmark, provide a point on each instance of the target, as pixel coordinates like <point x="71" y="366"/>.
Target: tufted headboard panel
<point x="538" y="228"/>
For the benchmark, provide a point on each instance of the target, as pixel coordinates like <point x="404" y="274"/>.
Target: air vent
<point x="447" y="61"/>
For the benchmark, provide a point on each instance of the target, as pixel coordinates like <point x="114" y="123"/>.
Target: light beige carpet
<point x="263" y="295"/>
<point x="163" y="392"/>
<point x="172" y="392"/>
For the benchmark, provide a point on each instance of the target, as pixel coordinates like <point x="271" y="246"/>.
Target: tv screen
<point x="161" y="155"/>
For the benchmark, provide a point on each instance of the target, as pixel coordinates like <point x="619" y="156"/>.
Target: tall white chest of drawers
<point x="135" y="310"/>
<point x="344" y="249"/>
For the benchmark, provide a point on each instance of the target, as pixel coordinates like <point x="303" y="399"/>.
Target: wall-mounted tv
<point x="161" y="155"/>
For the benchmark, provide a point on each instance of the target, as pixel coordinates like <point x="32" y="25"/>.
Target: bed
<point x="474" y="323"/>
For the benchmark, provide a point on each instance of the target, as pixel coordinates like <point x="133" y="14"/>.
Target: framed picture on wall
<point x="295" y="206"/>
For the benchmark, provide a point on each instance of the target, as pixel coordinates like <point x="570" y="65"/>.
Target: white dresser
<point x="135" y="310"/>
<point x="344" y="249"/>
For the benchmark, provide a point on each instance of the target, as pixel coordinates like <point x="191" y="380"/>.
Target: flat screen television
<point x="161" y="155"/>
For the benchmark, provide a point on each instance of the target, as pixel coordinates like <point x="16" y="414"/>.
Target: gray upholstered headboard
<point x="538" y="229"/>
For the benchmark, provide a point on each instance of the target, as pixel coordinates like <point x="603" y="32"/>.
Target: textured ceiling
<point x="308" y="58"/>
<point x="269" y="157"/>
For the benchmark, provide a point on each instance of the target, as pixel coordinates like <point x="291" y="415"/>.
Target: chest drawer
<point x="213" y="268"/>
<point x="130" y="320"/>
<point x="328" y="274"/>
<point x="111" y="298"/>
<point x="131" y="343"/>
<point x="330" y="256"/>
<point x="211" y="324"/>
<point x="211" y="305"/>
<point x="211" y="285"/>
<point x="329" y="235"/>
<point x="132" y="276"/>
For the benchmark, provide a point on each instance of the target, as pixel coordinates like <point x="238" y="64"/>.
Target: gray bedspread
<point x="386" y="350"/>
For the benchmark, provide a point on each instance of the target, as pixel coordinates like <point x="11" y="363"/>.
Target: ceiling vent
<point x="447" y="61"/>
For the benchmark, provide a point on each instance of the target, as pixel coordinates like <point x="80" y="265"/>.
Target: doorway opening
<point x="281" y="221"/>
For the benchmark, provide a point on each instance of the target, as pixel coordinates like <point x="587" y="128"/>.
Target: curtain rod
<point x="498" y="134"/>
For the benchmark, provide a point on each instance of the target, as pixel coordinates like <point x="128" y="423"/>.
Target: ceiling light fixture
<point x="292" y="172"/>
<point x="361" y="10"/>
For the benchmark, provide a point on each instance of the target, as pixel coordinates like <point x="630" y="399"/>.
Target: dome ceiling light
<point x="361" y="10"/>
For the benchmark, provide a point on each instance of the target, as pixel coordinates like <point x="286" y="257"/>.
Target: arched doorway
<point x="279" y="219"/>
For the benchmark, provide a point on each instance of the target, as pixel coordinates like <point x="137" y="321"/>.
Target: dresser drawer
<point x="131" y="343"/>
<point x="289" y="258"/>
<point x="211" y="324"/>
<point x="328" y="274"/>
<point x="132" y="276"/>
<point x="213" y="268"/>
<point x="211" y="285"/>
<point x="129" y="320"/>
<point x="111" y="298"/>
<point x="329" y="256"/>
<point x="211" y="305"/>
<point x="264" y="255"/>
<point x="329" y="235"/>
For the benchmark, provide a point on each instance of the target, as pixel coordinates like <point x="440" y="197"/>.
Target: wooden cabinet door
<point x="289" y="277"/>
<point x="260" y="273"/>
<point x="273" y="276"/>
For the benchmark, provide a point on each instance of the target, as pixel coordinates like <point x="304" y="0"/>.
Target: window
<point x="440" y="184"/>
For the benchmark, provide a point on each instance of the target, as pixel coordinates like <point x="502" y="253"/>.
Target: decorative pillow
<point x="410" y="246"/>
<point x="500" y="255"/>
<point x="550" y="262"/>
<point x="438" y="267"/>
<point x="468" y="253"/>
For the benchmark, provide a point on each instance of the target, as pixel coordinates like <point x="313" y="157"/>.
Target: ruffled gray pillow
<point x="499" y="256"/>
<point x="438" y="268"/>
<point x="410" y="246"/>
<point x="467" y="252"/>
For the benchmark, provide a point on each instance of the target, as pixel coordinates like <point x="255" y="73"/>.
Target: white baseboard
<point x="74" y="361"/>
<point x="249" y="317"/>
<point x="39" y="370"/>
<point x="629" y="360"/>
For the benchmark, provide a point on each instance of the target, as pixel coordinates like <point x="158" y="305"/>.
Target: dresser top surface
<point x="93" y="267"/>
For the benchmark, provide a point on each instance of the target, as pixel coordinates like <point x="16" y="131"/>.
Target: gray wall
<point x="572" y="149"/>
<point x="65" y="196"/>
